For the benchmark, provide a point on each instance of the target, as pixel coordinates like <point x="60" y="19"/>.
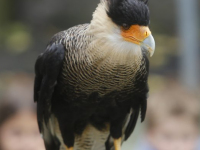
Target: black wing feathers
<point x="38" y="78"/>
<point x="140" y="96"/>
<point x="143" y="109"/>
<point x="132" y="123"/>
<point x="48" y="67"/>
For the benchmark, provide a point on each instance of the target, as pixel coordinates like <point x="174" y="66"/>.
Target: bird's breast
<point x="102" y="75"/>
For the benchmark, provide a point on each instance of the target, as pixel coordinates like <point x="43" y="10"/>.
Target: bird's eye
<point x="125" y="26"/>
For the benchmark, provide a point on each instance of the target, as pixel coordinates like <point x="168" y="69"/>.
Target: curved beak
<point x="140" y="35"/>
<point x="149" y="45"/>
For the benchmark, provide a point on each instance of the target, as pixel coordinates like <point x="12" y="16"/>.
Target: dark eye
<point x="125" y="26"/>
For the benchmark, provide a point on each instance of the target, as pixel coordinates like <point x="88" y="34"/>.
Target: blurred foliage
<point x="17" y="38"/>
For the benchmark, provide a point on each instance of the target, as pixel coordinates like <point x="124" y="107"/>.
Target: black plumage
<point x="79" y="86"/>
<point x="129" y="12"/>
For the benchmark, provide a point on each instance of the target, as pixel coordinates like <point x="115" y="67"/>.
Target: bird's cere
<point x="135" y="34"/>
<point x="140" y="35"/>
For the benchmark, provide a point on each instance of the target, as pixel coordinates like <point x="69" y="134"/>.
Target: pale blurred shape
<point x="20" y="132"/>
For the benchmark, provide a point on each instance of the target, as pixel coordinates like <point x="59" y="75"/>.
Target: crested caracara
<point x="91" y="81"/>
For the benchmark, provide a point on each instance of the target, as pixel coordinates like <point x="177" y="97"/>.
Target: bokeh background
<point x="26" y="26"/>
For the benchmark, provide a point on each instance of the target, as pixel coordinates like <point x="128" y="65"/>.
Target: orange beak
<point x="136" y="34"/>
<point x="140" y="35"/>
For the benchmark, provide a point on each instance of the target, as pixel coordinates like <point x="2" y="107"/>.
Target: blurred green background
<point x="26" y="26"/>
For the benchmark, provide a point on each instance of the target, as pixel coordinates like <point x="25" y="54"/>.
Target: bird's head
<point x="125" y="21"/>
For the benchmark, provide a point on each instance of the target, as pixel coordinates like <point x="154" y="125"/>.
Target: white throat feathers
<point x="108" y="40"/>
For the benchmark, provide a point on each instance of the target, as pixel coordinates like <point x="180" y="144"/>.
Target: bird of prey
<point x="91" y="81"/>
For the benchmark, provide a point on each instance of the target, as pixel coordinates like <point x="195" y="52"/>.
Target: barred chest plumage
<point x="100" y="75"/>
<point x="92" y="65"/>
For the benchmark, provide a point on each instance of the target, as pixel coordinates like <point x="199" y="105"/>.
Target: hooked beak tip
<point x="149" y="45"/>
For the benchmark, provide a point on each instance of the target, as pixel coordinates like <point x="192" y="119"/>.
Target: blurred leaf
<point x="165" y="47"/>
<point x="18" y="38"/>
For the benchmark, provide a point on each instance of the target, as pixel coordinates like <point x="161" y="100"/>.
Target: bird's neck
<point x="107" y="39"/>
<point x="100" y="23"/>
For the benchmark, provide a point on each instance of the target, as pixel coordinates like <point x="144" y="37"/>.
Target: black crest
<point x="128" y="12"/>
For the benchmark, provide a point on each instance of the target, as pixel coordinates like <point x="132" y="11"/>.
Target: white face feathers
<point x="108" y="35"/>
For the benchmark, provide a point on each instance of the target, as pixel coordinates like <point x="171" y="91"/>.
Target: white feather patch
<point x="107" y="37"/>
